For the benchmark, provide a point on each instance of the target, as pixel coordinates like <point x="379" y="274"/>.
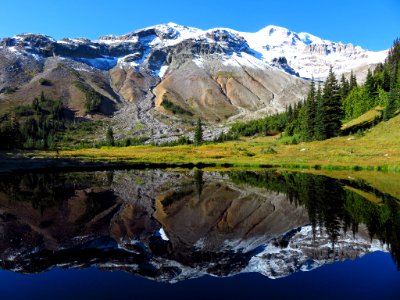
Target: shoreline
<point x="22" y="163"/>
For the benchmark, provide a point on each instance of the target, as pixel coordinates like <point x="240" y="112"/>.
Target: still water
<point x="199" y="235"/>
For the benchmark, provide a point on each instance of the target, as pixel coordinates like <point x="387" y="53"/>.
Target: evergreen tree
<point x="386" y="79"/>
<point x="42" y="97"/>
<point x="371" y="87"/>
<point x="344" y="87"/>
<point x="110" y="137"/>
<point x="330" y="110"/>
<point x="16" y="132"/>
<point x="393" y="58"/>
<point x="319" y="129"/>
<point x="333" y="112"/>
<point x="310" y="113"/>
<point x="392" y="100"/>
<point x="290" y="113"/>
<point x="35" y="104"/>
<point x="390" y="107"/>
<point x="353" y="80"/>
<point x="198" y="134"/>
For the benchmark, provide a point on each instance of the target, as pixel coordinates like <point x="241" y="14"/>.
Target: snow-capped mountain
<point x="305" y="53"/>
<point x="217" y="74"/>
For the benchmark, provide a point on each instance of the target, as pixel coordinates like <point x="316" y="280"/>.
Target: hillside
<point x="219" y="75"/>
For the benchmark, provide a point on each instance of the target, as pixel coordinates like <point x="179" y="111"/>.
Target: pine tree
<point x="390" y="107"/>
<point x="371" y="87"/>
<point x="290" y="114"/>
<point x="311" y="110"/>
<point x="344" y="87"/>
<point x="386" y="79"/>
<point x="392" y="100"/>
<point x="198" y="134"/>
<point x="42" y="97"/>
<point x="319" y="128"/>
<point x="333" y="112"/>
<point x="353" y="81"/>
<point x="35" y="104"/>
<point x="110" y="137"/>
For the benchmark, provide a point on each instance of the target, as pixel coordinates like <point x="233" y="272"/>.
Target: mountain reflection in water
<point x="171" y="226"/>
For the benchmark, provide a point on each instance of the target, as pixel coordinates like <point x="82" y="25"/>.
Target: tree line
<point x="32" y="126"/>
<point x="321" y="114"/>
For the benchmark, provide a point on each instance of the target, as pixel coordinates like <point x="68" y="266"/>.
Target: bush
<point x="290" y="139"/>
<point x="175" y="109"/>
<point x="224" y="137"/>
<point x="93" y="99"/>
<point x="183" y="140"/>
<point x="269" y="150"/>
<point x="9" y="90"/>
<point x="45" y="82"/>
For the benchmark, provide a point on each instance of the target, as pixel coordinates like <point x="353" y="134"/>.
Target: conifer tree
<point x="42" y="97"/>
<point x="310" y="113"/>
<point x="371" y="87"/>
<point x="333" y="112"/>
<point x="110" y="136"/>
<point x="198" y="134"/>
<point x="319" y="129"/>
<point x="353" y="80"/>
<point x="393" y="98"/>
<point x="386" y="79"/>
<point x="344" y="87"/>
<point x="390" y="107"/>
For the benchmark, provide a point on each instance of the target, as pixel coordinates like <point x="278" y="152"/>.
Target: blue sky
<point x="370" y="24"/>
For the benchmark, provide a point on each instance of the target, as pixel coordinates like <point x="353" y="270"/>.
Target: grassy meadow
<point x="376" y="149"/>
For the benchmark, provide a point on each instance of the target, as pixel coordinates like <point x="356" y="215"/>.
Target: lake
<point x="192" y="234"/>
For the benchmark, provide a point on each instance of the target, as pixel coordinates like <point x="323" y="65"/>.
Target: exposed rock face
<point x="168" y="226"/>
<point x="218" y="74"/>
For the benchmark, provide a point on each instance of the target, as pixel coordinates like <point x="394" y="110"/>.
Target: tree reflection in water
<point x="189" y="223"/>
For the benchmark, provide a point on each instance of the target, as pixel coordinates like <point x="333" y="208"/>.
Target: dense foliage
<point x="321" y="114"/>
<point x="32" y="126"/>
<point x="174" y="108"/>
<point x="93" y="99"/>
<point x="198" y="134"/>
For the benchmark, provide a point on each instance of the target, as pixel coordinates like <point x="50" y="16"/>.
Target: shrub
<point x="45" y="82"/>
<point x="175" y="109"/>
<point x="92" y="98"/>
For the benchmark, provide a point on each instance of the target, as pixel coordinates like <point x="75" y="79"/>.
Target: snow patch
<point x="163" y="234"/>
<point x="161" y="72"/>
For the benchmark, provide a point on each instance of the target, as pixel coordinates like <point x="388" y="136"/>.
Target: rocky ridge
<point x="218" y="74"/>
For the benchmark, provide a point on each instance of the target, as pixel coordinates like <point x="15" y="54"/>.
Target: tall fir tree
<point x="353" y="81"/>
<point x="310" y="113"/>
<point x="393" y="62"/>
<point x="393" y="97"/>
<point x="110" y="136"/>
<point x="198" y="134"/>
<point x="371" y="87"/>
<point x="386" y="78"/>
<point x="332" y="107"/>
<point x="319" y="128"/>
<point x="344" y="87"/>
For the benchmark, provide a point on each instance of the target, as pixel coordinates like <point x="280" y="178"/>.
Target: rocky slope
<point x="167" y="75"/>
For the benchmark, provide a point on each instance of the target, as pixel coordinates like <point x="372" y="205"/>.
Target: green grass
<point x="364" y="120"/>
<point x="378" y="149"/>
<point x="174" y="108"/>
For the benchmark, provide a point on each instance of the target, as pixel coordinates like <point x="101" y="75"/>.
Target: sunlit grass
<point x="368" y="117"/>
<point x="379" y="149"/>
